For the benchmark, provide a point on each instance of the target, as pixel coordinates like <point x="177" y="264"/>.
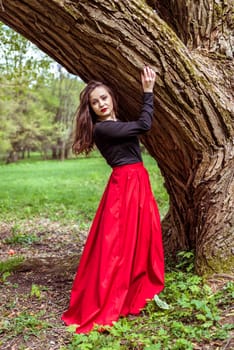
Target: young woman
<point x="122" y="265"/>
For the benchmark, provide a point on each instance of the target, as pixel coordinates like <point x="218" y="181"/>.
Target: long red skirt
<point x="122" y="264"/>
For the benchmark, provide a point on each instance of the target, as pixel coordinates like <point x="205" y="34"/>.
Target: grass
<point x="19" y="237"/>
<point x="62" y="190"/>
<point x="10" y="264"/>
<point x="26" y="324"/>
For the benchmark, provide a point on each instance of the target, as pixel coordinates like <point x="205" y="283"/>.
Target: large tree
<point x="190" y="45"/>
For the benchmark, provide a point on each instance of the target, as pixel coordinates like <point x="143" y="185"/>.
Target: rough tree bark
<point x="190" y="45"/>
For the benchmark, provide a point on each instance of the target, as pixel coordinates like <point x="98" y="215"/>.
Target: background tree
<point x="22" y="68"/>
<point x="38" y="100"/>
<point x="190" y="46"/>
<point x="67" y="90"/>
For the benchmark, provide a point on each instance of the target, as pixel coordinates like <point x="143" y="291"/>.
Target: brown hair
<point x="86" y="118"/>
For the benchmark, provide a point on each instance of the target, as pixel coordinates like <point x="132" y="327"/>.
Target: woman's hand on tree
<point x="148" y="79"/>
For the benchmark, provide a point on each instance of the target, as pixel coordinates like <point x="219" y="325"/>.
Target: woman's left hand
<point x="148" y="77"/>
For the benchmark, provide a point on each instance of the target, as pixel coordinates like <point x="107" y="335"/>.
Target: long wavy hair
<point x="85" y="119"/>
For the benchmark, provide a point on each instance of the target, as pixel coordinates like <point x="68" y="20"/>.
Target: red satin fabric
<point x="122" y="264"/>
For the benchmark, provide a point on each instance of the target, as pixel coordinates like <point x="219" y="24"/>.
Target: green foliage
<point x="9" y="265"/>
<point x="36" y="291"/>
<point x="37" y="100"/>
<point x="5" y="276"/>
<point x="18" y="237"/>
<point x="21" y="61"/>
<point x="193" y="317"/>
<point x="185" y="261"/>
<point x="25" y="324"/>
<point x="22" y="67"/>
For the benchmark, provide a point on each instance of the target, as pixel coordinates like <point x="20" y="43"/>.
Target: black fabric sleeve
<point x="118" y="129"/>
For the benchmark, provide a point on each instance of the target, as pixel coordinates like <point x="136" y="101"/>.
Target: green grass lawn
<point x="66" y="190"/>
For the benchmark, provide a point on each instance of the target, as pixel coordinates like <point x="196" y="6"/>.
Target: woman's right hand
<point x="148" y="77"/>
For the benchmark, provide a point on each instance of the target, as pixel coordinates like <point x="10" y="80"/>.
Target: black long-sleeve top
<point x="118" y="141"/>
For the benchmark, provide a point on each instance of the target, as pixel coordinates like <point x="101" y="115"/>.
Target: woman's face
<point x="101" y="103"/>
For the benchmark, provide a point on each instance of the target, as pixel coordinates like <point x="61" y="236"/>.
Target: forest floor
<point x="39" y="291"/>
<point x="33" y="298"/>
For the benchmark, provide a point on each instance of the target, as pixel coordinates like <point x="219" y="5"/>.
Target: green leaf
<point x="72" y="328"/>
<point x="160" y="303"/>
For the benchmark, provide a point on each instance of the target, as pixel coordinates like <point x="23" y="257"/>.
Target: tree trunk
<point x="206" y="24"/>
<point x="23" y="154"/>
<point x="54" y="152"/>
<point x="192" y="134"/>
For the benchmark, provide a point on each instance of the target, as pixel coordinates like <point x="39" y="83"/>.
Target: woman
<point x="122" y="264"/>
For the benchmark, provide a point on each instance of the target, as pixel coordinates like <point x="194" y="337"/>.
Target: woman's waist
<point x="138" y="164"/>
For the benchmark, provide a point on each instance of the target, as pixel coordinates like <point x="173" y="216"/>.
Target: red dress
<point x="122" y="263"/>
